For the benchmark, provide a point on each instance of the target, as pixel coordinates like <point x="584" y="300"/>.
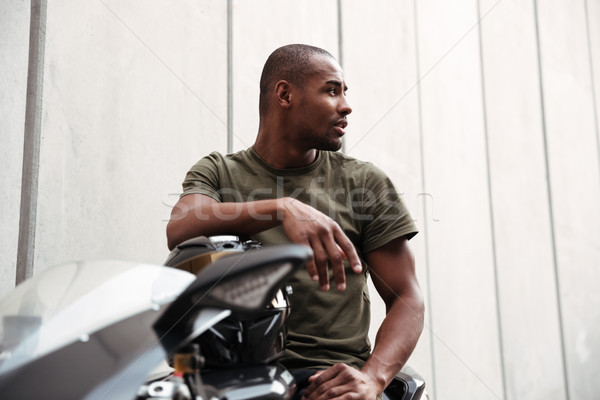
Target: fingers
<point x="305" y="225"/>
<point x="326" y="253"/>
<point x="334" y="382"/>
<point x="311" y="267"/>
<point x="336" y="260"/>
<point x="320" y="262"/>
<point x="320" y="383"/>
<point x="316" y="374"/>
<point x="349" y="251"/>
<point x="339" y="247"/>
<point x="340" y="381"/>
<point x="331" y="251"/>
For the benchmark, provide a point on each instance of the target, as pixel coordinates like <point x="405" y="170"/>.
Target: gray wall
<point x="14" y="37"/>
<point x="483" y="112"/>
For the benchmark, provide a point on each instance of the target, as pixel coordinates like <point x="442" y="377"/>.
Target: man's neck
<point x="280" y="153"/>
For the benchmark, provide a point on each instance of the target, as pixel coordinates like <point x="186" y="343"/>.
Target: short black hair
<point x="290" y="63"/>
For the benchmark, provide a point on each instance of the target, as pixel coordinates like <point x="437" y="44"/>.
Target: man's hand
<point x="341" y="381"/>
<point x="304" y="224"/>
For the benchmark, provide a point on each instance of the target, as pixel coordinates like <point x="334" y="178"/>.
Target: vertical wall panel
<point x="134" y="94"/>
<point x="466" y="344"/>
<point x="384" y="126"/>
<point x="593" y="25"/>
<point x="14" y="41"/>
<point x="574" y="176"/>
<point x="526" y="279"/>
<point x="259" y="27"/>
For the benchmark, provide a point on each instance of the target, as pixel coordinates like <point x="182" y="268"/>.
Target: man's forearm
<point x="396" y="339"/>
<point x="214" y="218"/>
<point x="199" y="215"/>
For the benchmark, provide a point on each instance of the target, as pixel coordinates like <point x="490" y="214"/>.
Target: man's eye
<point x="332" y="90"/>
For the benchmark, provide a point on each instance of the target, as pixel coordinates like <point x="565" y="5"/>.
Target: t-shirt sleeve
<point x="388" y="216"/>
<point x="203" y="178"/>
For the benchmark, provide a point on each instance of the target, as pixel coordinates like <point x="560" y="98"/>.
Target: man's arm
<point x="200" y="215"/>
<point x="393" y="273"/>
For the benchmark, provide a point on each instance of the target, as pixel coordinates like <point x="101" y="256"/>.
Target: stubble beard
<point x="328" y="141"/>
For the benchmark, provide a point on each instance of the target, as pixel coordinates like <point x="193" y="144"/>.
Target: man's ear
<point x="283" y="92"/>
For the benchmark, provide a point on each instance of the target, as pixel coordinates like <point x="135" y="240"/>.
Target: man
<point x="293" y="186"/>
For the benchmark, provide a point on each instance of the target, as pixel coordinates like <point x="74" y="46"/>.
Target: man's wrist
<point x="379" y="381"/>
<point x="280" y="205"/>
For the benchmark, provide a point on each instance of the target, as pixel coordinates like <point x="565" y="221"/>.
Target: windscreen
<point x="71" y="301"/>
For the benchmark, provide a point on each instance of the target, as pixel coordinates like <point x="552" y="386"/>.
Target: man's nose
<point x="344" y="107"/>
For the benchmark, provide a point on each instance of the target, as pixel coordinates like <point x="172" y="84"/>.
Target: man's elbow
<point x="415" y="303"/>
<point x="422" y="314"/>
<point x="171" y="245"/>
<point x="172" y="237"/>
<point x="418" y="302"/>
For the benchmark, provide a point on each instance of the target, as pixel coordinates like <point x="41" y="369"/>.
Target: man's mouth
<point x="341" y="125"/>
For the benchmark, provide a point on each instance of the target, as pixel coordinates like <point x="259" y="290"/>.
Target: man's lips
<point x="341" y="125"/>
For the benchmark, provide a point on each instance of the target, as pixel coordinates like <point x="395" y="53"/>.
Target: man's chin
<point x="331" y="146"/>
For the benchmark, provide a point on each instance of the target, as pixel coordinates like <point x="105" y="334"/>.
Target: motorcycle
<point x="103" y="329"/>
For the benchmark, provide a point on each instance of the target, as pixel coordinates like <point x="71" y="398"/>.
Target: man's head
<point x="290" y="63"/>
<point x="303" y="88"/>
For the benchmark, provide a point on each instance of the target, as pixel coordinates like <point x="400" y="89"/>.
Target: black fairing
<point x="264" y="382"/>
<point x="176" y="324"/>
<point x="202" y="245"/>
<point x="405" y="387"/>
<point x="180" y="253"/>
<point x="238" y="341"/>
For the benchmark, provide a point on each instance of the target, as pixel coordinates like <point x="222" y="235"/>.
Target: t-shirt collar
<point x="288" y="171"/>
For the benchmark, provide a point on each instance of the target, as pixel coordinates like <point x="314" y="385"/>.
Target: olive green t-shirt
<point x="324" y="327"/>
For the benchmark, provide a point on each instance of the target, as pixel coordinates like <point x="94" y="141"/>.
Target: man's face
<point x="322" y="107"/>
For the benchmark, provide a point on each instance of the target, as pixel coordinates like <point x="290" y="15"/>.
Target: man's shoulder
<point x="342" y="158"/>
<point x="218" y="158"/>
<point x="240" y="155"/>
<point x="352" y="164"/>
